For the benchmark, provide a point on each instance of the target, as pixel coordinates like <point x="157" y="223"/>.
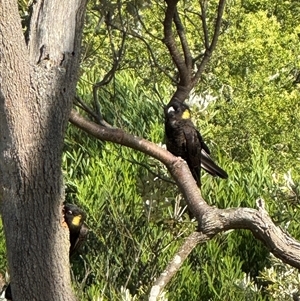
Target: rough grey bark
<point x="37" y="86"/>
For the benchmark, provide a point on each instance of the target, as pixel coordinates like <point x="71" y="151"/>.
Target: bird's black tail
<point x="211" y="167"/>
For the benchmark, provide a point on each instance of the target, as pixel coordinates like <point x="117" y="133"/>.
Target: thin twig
<point x="203" y="5"/>
<point x="152" y="56"/>
<point x="81" y="104"/>
<point x="151" y="171"/>
<point x="211" y="48"/>
<point x="117" y="57"/>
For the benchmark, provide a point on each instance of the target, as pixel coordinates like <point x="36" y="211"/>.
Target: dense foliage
<point x="247" y="107"/>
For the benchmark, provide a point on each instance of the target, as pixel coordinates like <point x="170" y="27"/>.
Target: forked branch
<point x="216" y="220"/>
<point x="183" y="59"/>
<point x="170" y="42"/>
<point x="211" y="221"/>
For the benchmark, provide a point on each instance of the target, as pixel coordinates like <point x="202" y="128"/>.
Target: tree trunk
<point x="37" y="85"/>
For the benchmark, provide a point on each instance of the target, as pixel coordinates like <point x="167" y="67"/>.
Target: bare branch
<point x="184" y="43"/>
<point x="169" y="40"/>
<point x="211" y="220"/>
<point x="176" y="166"/>
<point x="281" y="244"/>
<point x="174" y="265"/>
<point x="203" y="4"/>
<point x="209" y="50"/>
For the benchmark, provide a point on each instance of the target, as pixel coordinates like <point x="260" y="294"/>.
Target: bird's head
<point x="177" y="110"/>
<point x="74" y="216"/>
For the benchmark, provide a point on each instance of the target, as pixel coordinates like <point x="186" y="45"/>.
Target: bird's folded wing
<point x="211" y="167"/>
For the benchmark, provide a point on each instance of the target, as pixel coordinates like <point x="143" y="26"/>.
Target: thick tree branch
<point x="211" y="220"/>
<point x="176" y="166"/>
<point x="215" y="221"/>
<point x="170" y="42"/>
<point x="281" y="244"/>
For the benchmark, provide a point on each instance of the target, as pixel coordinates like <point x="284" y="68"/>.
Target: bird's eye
<point x="70" y="212"/>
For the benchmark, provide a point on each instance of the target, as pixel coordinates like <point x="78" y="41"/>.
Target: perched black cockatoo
<point x="75" y="218"/>
<point x="184" y="140"/>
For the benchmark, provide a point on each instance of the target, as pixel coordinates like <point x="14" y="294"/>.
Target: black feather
<point x="78" y="231"/>
<point x="185" y="141"/>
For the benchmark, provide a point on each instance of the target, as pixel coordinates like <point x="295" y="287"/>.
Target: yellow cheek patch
<point x="186" y="114"/>
<point x="76" y="220"/>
